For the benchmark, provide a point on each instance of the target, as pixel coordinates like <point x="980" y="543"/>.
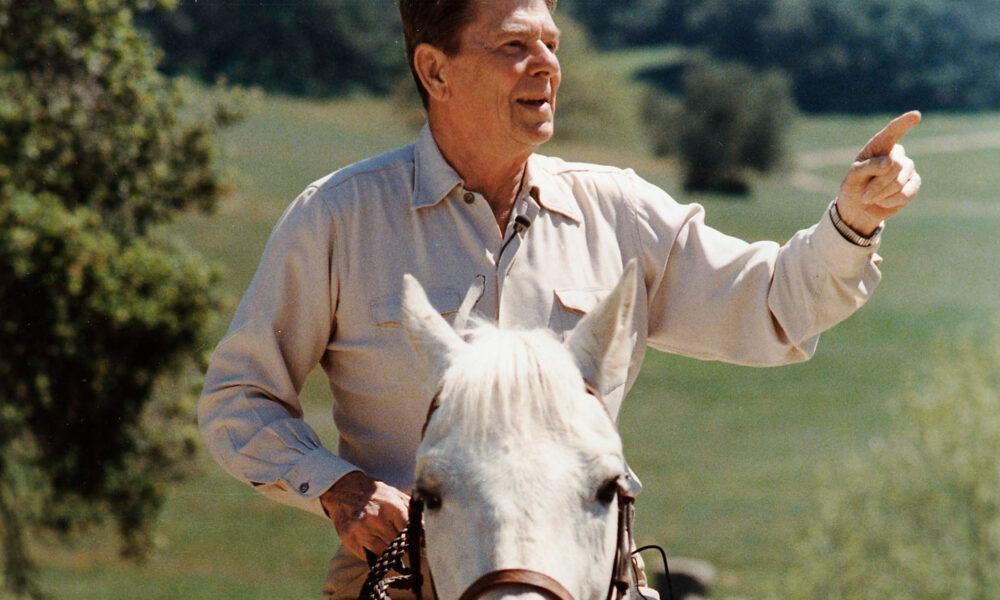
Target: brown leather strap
<point x="434" y="405"/>
<point x="590" y="389"/>
<point x="620" y="580"/>
<point x="519" y="577"/>
<point x="415" y="529"/>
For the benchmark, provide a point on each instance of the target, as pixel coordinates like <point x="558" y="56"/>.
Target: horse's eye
<point x="432" y="500"/>
<point x="608" y="491"/>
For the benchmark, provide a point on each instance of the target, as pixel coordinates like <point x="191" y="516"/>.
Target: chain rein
<point x="408" y="543"/>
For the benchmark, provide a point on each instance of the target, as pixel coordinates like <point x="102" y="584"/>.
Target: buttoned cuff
<point x="312" y="476"/>
<point x="842" y="257"/>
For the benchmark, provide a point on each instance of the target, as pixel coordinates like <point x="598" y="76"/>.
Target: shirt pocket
<point x="572" y="304"/>
<point x="389" y="311"/>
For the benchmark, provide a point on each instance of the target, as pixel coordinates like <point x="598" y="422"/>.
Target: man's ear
<point x="430" y="63"/>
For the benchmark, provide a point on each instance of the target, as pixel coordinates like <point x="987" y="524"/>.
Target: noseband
<point x="523" y="578"/>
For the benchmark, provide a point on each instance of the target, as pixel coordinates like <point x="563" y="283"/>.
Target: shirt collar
<point x="433" y="177"/>
<point x="548" y="191"/>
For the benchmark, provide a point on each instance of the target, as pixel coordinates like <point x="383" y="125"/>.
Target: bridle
<point x="413" y="539"/>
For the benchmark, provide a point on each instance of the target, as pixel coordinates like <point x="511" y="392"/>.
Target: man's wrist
<point x="346" y="490"/>
<point x="851" y="234"/>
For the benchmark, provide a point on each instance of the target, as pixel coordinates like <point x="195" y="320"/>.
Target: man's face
<point x="505" y="75"/>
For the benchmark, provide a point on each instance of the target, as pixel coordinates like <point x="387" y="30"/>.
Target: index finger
<point x="884" y="141"/>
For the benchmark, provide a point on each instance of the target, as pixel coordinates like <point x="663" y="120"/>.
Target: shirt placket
<point x="514" y="237"/>
<point x="500" y="251"/>
<point x="481" y="217"/>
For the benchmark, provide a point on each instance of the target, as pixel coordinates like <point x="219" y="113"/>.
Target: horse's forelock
<point x="510" y="382"/>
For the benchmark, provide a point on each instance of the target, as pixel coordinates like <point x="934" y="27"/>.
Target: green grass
<point x="726" y="453"/>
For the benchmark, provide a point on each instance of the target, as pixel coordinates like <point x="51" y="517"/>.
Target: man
<point x="470" y="206"/>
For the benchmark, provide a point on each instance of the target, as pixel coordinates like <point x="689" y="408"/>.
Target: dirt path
<point x="803" y="178"/>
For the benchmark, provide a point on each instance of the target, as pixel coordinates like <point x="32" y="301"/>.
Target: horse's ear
<point x="430" y="335"/>
<point x="601" y="342"/>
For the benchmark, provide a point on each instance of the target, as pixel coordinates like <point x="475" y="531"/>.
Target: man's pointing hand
<point x="882" y="179"/>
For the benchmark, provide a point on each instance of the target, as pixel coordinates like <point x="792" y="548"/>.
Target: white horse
<point x="521" y="470"/>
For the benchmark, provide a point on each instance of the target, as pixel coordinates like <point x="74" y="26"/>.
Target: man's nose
<point x="543" y="60"/>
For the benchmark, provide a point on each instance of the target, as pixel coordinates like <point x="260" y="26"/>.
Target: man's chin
<point x="541" y="133"/>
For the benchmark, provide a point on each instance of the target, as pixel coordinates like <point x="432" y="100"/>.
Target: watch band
<point x="853" y="236"/>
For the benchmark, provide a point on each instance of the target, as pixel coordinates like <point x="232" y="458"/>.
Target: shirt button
<point x="469" y="198"/>
<point x="304" y="488"/>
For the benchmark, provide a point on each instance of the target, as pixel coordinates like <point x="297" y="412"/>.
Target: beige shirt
<point x="328" y="291"/>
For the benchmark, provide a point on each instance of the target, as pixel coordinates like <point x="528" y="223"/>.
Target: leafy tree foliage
<point x="918" y="516"/>
<point x="315" y="48"/>
<point x="844" y="55"/>
<point x="728" y="120"/>
<point x="101" y="311"/>
<point x="632" y="22"/>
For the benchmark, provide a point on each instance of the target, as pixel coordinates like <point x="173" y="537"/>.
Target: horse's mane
<point x="509" y="381"/>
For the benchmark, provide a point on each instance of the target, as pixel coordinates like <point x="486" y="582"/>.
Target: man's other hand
<point x="367" y="513"/>
<point x="882" y="179"/>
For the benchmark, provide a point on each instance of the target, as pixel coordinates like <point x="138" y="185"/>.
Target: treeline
<point x="841" y="55"/>
<point x="310" y="47"/>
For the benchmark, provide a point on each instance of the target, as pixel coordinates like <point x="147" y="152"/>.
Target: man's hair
<point x="440" y="24"/>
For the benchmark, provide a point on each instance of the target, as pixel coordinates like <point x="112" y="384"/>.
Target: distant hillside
<point x="843" y="56"/>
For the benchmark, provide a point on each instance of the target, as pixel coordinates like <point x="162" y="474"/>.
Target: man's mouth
<point x="534" y="102"/>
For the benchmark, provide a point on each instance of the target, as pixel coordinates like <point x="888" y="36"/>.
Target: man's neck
<point x="497" y="177"/>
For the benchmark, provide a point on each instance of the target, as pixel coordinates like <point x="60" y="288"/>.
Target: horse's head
<point x="520" y="466"/>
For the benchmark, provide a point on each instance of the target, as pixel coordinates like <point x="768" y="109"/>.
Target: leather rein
<point x="525" y="578"/>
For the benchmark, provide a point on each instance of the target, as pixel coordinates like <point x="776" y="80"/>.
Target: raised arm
<point x="716" y="297"/>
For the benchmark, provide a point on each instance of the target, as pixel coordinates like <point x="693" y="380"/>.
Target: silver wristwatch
<point x="853" y="236"/>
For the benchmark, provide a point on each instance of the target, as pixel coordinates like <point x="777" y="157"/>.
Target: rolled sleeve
<point x="249" y="412"/>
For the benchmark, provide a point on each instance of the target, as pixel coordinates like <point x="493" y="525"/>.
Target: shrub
<point x="728" y="120"/>
<point x="918" y="515"/>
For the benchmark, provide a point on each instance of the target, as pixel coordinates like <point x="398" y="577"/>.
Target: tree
<point x="317" y="47"/>
<point x="633" y="22"/>
<point x="728" y="120"/>
<point x="918" y="515"/>
<point x="101" y="310"/>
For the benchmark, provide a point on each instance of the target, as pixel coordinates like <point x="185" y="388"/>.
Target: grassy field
<point x="726" y="453"/>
